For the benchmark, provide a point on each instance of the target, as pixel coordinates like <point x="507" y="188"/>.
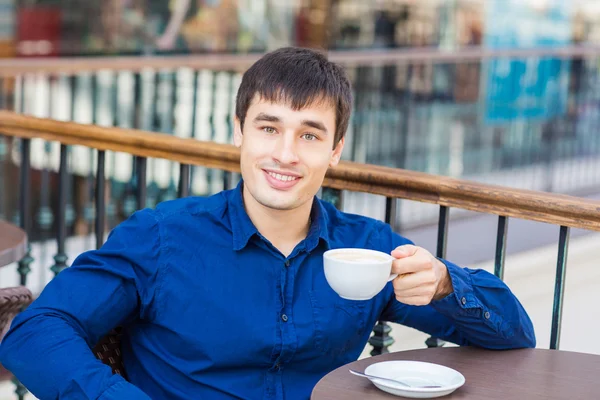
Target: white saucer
<point x="415" y="373"/>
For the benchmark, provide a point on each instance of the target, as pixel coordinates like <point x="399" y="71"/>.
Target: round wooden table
<point x="13" y="243"/>
<point x="525" y="374"/>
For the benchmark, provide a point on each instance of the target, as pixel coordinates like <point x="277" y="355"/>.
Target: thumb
<point x="404" y="251"/>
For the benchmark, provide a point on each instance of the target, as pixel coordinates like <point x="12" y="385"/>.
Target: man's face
<point x="286" y="153"/>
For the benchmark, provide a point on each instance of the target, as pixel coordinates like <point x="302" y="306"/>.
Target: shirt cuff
<point x="462" y="294"/>
<point x="464" y="305"/>
<point x="123" y="390"/>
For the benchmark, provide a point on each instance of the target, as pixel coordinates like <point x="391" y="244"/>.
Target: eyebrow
<point x="315" y="124"/>
<point x="307" y="122"/>
<point x="267" y="118"/>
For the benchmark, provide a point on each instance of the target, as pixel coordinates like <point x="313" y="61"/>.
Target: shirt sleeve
<point x="48" y="345"/>
<point x="482" y="311"/>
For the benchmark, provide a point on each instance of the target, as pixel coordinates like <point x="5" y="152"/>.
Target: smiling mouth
<point x="282" y="178"/>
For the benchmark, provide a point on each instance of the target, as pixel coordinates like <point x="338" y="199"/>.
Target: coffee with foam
<point x="358" y="256"/>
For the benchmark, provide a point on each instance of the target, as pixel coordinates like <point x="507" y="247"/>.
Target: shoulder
<point x="342" y="224"/>
<point x="173" y="216"/>
<point x="191" y="206"/>
<point x="338" y="219"/>
<point x="351" y="230"/>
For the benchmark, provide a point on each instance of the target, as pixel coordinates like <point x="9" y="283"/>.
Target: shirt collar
<point x="241" y="226"/>
<point x="319" y="226"/>
<point x="243" y="229"/>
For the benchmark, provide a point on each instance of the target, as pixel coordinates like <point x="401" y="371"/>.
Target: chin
<point x="278" y="204"/>
<point x="279" y="207"/>
<point x="279" y="200"/>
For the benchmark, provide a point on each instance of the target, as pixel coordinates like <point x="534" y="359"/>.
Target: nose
<point x="285" y="151"/>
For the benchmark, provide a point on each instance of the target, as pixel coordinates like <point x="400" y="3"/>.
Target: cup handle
<point x="392" y="277"/>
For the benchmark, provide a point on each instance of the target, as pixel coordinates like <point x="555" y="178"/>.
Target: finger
<point x="414" y="280"/>
<point x="414" y="300"/>
<point x="406" y="250"/>
<point x="411" y="264"/>
<point x="423" y="290"/>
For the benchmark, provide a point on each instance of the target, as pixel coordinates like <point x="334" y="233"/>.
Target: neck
<point x="283" y="228"/>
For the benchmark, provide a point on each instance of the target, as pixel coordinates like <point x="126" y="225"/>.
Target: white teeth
<point x="283" y="178"/>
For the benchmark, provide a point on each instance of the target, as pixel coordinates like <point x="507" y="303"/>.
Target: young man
<point x="225" y="297"/>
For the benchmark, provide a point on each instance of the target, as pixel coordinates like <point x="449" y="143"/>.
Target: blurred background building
<point x="84" y="27"/>
<point x="497" y="91"/>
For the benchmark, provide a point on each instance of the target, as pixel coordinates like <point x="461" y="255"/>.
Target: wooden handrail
<point x="392" y="182"/>
<point x="239" y="62"/>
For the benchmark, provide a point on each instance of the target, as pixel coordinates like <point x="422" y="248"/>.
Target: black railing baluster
<point x="100" y="200"/>
<point x="559" y="287"/>
<point x="391" y="205"/>
<point x="442" y="240"/>
<point x="442" y="232"/>
<point x="21" y="391"/>
<point x="226" y="180"/>
<point x="381" y="339"/>
<point x="44" y="217"/>
<point x="60" y="259"/>
<point x="89" y="213"/>
<point x="24" y="208"/>
<point x="141" y="182"/>
<point x="184" y="180"/>
<point x="500" y="246"/>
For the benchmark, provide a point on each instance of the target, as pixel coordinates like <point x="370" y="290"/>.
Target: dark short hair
<point x="299" y="77"/>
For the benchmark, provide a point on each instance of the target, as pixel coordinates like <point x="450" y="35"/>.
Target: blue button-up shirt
<point x="211" y="310"/>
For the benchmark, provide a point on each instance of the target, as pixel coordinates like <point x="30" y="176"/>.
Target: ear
<point x="337" y="153"/>
<point x="238" y="137"/>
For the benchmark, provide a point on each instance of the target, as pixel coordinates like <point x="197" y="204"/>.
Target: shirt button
<point x="463" y="300"/>
<point x="487" y="315"/>
<point x="287" y="263"/>
<point x="284" y="317"/>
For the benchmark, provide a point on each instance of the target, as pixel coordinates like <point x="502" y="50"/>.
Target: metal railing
<point x="392" y="183"/>
<point x="524" y="118"/>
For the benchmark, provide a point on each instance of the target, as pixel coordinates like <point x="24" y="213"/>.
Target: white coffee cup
<point x="357" y="274"/>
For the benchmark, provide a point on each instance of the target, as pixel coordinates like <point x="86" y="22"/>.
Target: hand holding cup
<point x="421" y="277"/>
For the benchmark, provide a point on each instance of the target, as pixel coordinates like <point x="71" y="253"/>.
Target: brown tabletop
<point x="13" y="243"/>
<point x="525" y="374"/>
